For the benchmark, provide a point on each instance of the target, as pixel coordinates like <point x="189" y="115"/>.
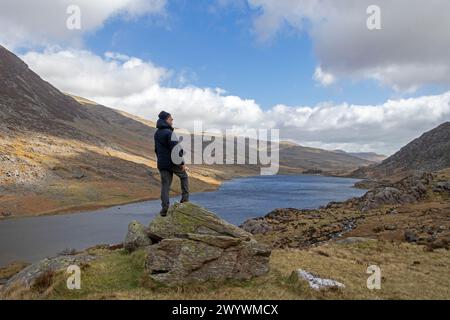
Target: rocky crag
<point x="428" y="153"/>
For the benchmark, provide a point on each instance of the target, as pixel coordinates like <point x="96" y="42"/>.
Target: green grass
<point x="112" y="272"/>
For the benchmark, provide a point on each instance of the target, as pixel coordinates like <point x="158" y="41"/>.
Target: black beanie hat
<point x="164" y="115"/>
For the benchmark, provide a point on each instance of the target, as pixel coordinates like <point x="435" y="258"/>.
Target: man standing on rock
<point x="165" y="142"/>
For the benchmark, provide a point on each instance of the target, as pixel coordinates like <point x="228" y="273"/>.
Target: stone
<point x="443" y="185"/>
<point x="28" y="276"/>
<point x="408" y="190"/>
<point x="390" y="227"/>
<point x="256" y="226"/>
<point x="314" y="281"/>
<point x="136" y="237"/>
<point x="197" y="246"/>
<point x="410" y="236"/>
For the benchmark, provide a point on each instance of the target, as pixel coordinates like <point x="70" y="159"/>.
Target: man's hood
<point x="162" y="124"/>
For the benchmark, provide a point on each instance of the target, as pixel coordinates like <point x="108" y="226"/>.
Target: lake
<point x="34" y="238"/>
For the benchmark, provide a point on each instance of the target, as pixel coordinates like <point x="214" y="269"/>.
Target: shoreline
<point x="97" y="207"/>
<point x="94" y="207"/>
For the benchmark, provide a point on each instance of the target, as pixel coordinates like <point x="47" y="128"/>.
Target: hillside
<point x="369" y="156"/>
<point x="428" y="153"/>
<point x="61" y="153"/>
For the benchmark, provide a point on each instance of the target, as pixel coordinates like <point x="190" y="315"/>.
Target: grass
<point x="408" y="272"/>
<point x="11" y="269"/>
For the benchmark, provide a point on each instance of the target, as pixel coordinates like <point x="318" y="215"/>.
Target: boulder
<point x="410" y="236"/>
<point x="442" y="186"/>
<point x="136" y="237"/>
<point x="408" y="190"/>
<point x="198" y="246"/>
<point x="314" y="281"/>
<point x="256" y="226"/>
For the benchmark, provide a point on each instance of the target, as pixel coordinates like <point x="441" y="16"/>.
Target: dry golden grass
<point x="408" y="272"/>
<point x="11" y="269"/>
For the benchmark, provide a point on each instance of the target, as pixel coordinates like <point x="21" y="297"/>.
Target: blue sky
<point x="215" y="46"/>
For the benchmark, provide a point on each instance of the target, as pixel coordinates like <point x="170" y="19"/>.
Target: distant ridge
<point x="430" y="152"/>
<point x="369" y="156"/>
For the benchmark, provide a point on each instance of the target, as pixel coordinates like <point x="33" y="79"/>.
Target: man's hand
<point x="183" y="167"/>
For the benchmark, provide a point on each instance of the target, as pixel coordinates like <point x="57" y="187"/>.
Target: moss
<point x="189" y="218"/>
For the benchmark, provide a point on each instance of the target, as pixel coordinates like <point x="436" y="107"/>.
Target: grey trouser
<point x="166" y="182"/>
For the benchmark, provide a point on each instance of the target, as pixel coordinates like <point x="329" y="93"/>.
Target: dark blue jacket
<point x="164" y="144"/>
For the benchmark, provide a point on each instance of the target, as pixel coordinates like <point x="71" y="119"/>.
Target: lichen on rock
<point x="184" y="218"/>
<point x="197" y="245"/>
<point x="136" y="237"/>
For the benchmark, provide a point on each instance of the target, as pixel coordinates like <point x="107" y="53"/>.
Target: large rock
<point x="412" y="189"/>
<point x="136" y="237"/>
<point x="256" y="226"/>
<point x="314" y="281"/>
<point x="196" y="245"/>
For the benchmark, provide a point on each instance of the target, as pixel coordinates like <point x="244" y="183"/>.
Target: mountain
<point x="430" y="153"/>
<point x="369" y="156"/>
<point x="313" y="160"/>
<point x="64" y="153"/>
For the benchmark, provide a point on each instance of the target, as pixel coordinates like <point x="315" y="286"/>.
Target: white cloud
<point x="136" y="86"/>
<point x="30" y="23"/>
<point x="324" y="78"/>
<point x="410" y="51"/>
<point x="80" y="71"/>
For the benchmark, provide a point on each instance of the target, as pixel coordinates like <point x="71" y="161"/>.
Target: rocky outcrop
<point x="196" y="245"/>
<point x="428" y="153"/>
<point x="257" y="226"/>
<point x="136" y="237"/>
<point x="442" y="186"/>
<point x="411" y="189"/>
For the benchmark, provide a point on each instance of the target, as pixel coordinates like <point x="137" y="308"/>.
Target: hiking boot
<point x="184" y="200"/>
<point x="163" y="212"/>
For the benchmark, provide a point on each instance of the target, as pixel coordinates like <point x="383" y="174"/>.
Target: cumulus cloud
<point x="80" y="71"/>
<point x="383" y="128"/>
<point x="30" y="23"/>
<point x="411" y="49"/>
<point x="137" y="86"/>
<point x="324" y="78"/>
